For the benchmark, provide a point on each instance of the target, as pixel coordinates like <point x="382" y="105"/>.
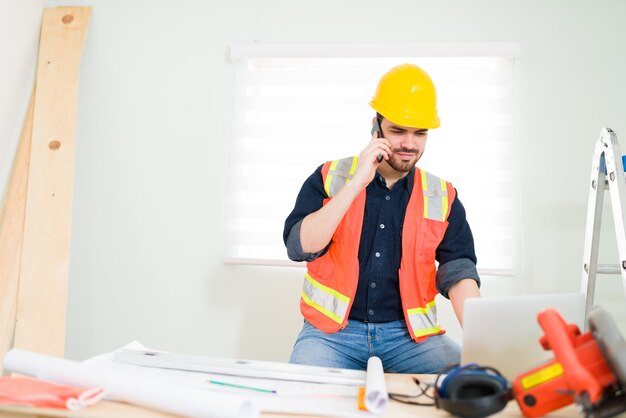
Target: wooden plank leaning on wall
<point x="41" y="296"/>
<point x="12" y="232"/>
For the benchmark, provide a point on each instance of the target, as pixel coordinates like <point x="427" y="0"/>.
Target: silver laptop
<point x="503" y="332"/>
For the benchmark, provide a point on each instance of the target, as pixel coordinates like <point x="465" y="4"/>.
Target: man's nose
<point x="408" y="141"/>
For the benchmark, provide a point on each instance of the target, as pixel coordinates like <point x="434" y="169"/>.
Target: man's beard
<point x="401" y="165"/>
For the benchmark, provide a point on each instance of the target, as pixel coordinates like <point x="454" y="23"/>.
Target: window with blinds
<point x="298" y="106"/>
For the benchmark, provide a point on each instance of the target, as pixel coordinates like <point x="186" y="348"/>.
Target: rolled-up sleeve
<point x="294" y="246"/>
<point x="310" y="199"/>
<point x="456" y="254"/>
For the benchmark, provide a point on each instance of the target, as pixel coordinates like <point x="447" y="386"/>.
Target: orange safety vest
<point x="331" y="280"/>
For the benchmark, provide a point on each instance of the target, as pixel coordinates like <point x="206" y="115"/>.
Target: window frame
<point x="240" y="53"/>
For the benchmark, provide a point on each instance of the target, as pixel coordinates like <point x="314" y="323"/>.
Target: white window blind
<point x="298" y="106"/>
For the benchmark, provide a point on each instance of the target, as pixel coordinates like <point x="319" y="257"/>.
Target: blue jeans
<point x="351" y="347"/>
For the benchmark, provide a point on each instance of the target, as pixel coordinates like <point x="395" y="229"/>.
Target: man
<point x="370" y="229"/>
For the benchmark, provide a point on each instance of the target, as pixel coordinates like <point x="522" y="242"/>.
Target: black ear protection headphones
<point x="472" y="391"/>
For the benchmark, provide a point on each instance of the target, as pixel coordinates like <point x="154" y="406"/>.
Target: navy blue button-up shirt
<point x="377" y="297"/>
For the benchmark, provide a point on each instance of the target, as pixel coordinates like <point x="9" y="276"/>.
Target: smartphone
<point x="377" y="128"/>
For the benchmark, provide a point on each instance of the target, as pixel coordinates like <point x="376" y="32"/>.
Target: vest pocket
<point x="432" y="233"/>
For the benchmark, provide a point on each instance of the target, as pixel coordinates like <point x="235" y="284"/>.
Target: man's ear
<point x="374" y="125"/>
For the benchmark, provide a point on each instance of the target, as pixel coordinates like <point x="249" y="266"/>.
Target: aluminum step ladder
<point x="607" y="173"/>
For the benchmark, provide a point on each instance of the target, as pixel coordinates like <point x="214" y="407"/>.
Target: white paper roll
<point x="376" y="396"/>
<point x="127" y="387"/>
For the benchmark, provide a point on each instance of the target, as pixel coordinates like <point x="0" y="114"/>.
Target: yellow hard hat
<point x="406" y="96"/>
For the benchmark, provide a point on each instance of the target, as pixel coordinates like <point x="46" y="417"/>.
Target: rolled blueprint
<point x="131" y="388"/>
<point x="376" y="397"/>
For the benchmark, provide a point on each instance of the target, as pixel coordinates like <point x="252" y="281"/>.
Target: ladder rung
<point x="608" y="269"/>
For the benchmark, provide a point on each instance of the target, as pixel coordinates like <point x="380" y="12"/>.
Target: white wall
<point x="19" y="38"/>
<point x="152" y="150"/>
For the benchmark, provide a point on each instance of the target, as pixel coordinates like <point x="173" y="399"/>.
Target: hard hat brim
<point x="406" y="118"/>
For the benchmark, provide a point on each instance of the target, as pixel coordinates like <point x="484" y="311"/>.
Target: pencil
<point x="233" y="385"/>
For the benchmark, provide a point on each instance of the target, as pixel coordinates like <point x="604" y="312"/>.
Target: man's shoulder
<point x="424" y="173"/>
<point x="338" y="160"/>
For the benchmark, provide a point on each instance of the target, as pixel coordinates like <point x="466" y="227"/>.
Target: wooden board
<point x="396" y="383"/>
<point x="42" y="294"/>
<point x="12" y="233"/>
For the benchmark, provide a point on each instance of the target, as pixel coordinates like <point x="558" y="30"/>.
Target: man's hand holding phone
<point x="369" y="159"/>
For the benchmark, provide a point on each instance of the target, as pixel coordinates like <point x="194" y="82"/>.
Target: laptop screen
<point x="503" y="332"/>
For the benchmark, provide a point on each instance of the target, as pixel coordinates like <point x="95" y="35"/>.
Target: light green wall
<point x="19" y="37"/>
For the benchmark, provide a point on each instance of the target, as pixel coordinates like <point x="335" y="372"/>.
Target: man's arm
<point x="317" y="228"/>
<point x="457" y="278"/>
<point x="459" y="292"/>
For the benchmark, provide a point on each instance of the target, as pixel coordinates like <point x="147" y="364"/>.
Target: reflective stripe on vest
<point x="326" y="300"/>
<point x="424" y="320"/>
<point x="339" y="173"/>
<point x="435" y="197"/>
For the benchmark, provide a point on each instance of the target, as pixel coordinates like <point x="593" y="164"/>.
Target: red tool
<point x="588" y="369"/>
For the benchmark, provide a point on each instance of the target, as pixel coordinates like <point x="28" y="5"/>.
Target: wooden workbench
<point x="396" y="383"/>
